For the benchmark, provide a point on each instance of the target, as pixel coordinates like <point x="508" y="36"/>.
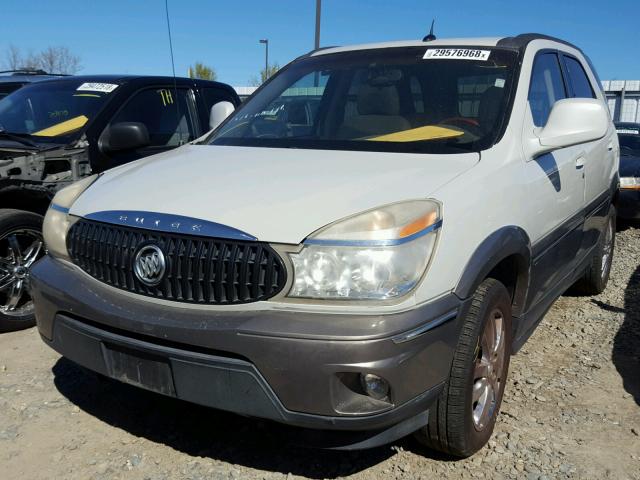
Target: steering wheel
<point x="278" y="130"/>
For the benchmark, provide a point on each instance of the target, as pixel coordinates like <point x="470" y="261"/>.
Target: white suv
<point x="359" y="248"/>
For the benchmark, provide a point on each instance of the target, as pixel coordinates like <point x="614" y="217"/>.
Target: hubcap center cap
<point x="20" y="272"/>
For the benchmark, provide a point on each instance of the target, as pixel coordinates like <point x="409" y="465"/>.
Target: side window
<point x="578" y="78"/>
<point x="546" y="88"/>
<point x="165" y="112"/>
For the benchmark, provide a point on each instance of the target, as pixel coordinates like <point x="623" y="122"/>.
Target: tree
<point x="265" y="74"/>
<point x="51" y="60"/>
<point x="200" y="70"/>
<point x="59" y="60"/>
<point x="13" y="58"/>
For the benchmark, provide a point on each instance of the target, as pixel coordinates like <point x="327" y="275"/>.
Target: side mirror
<point x="219" y="112"/>
<point x="572" y="121"/>
<point x="124" y="136"/>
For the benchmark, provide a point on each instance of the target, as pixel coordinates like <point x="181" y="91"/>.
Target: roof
<point x="139" y="79"/>
<point x="120" y="79"/>
<point x="519" y="42"/>
<point x="28" y="78"/>
<point x="480" y="42"/>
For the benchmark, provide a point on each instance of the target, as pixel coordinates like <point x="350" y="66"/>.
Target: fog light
<point x="375" y="386"/>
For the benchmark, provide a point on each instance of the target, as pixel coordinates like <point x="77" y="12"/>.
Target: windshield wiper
<point x="19" y="137"/>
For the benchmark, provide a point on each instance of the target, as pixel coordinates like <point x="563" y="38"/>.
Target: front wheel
<point x="21" y="245"/>
<point x="462" y="419"/>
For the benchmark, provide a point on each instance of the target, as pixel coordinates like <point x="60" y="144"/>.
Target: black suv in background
<point x="629" y="138"/>
<point x="12" y="80"/>
<point x="55" y="132"/>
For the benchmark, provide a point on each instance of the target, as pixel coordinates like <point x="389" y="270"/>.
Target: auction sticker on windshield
<point x="456" y="54"/>
<point x="97" y="87"/>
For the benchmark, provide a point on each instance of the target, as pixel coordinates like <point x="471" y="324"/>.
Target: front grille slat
<point x="201" y="270"/>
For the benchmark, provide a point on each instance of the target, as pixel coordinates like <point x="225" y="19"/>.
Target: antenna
<point x="173" y="68"/>
<point x="431" y="37"/>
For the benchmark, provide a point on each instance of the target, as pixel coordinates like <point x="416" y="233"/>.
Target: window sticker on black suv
<point x="456" y="54"/>
<point x="97" y="87"/>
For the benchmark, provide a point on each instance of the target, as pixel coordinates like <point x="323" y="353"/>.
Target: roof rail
<point x="521" y="41"/>
<point x="32" y="71"/>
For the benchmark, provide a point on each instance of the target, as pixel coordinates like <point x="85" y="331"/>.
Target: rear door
<point x="556" y="184"/>
<point x="599" y="156"/>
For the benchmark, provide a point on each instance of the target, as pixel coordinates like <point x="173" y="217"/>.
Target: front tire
<point x="462" y="419"/>
<point x="20" y="246"/>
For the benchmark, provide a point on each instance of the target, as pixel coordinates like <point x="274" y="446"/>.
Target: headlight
<point x="630" y="183"/>
<point x="57" y="222"/>
<point x="376" y="255"/>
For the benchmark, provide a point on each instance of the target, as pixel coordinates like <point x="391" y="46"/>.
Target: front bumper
<point x="293" y="367"/>
<point x="629" y="204"/>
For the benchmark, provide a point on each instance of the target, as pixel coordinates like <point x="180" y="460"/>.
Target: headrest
<point x="378" y="100"/>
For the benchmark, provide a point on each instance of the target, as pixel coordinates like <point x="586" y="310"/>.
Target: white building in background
<point x="244" y="92"/>
<point x="623" y="98"/>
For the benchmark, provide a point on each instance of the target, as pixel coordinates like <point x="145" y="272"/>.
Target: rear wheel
<point x="21" y="245"/>
<point x="462" y="419"/>
<point x="596" y="277"/>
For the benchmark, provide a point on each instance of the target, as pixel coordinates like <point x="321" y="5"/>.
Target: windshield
<point x="410" y="99"/>
<point x="629" y="144"/>
<point x="53" y="111"/>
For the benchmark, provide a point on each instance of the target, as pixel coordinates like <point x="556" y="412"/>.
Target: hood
<point x="629" y="166"/>
<point x="274" y="195"/>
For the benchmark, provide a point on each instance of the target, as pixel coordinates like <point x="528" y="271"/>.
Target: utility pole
<point x="316" y="78"/>
<point x="318" y="12"/>
<point x="266" y="57"/>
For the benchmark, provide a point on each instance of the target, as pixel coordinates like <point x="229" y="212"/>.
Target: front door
<point x="556" y="183"/>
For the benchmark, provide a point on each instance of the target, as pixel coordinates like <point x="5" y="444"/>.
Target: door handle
<point x="579" y="163"/>
<point x="610" y="147"/>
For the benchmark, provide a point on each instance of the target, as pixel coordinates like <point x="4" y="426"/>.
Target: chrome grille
<point x="199" y="269"/>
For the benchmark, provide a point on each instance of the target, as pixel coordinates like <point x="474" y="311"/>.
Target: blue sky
<point x="120" y="36"/>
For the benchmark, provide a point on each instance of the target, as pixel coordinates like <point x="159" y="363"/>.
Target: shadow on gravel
<point x="205" y="432"/>
<point x="626" y="344"/>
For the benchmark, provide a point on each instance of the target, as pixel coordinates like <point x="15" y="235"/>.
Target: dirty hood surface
<point x="274" y="195"/>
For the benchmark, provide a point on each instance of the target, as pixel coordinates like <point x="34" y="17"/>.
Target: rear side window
<point x="580" y="85"/>
<point x="546" y="88"/>
<point x="166" y="112"/>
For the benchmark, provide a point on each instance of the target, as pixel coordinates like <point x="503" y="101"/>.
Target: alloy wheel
<point x="19" y="249"/>
<point x="488" y="367"/>
<point x="607" y="253"/>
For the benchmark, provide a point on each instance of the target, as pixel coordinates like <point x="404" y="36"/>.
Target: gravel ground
<point x="571" y="410"/>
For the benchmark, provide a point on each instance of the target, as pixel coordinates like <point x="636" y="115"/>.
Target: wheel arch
<point x="25" y="199"/>
<point x="504" y="255"/>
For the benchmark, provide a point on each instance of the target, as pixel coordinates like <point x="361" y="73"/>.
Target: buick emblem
<point x="149" y="265"/>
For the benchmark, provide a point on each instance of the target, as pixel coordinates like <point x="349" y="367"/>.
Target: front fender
<point x="509" y="241"/>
